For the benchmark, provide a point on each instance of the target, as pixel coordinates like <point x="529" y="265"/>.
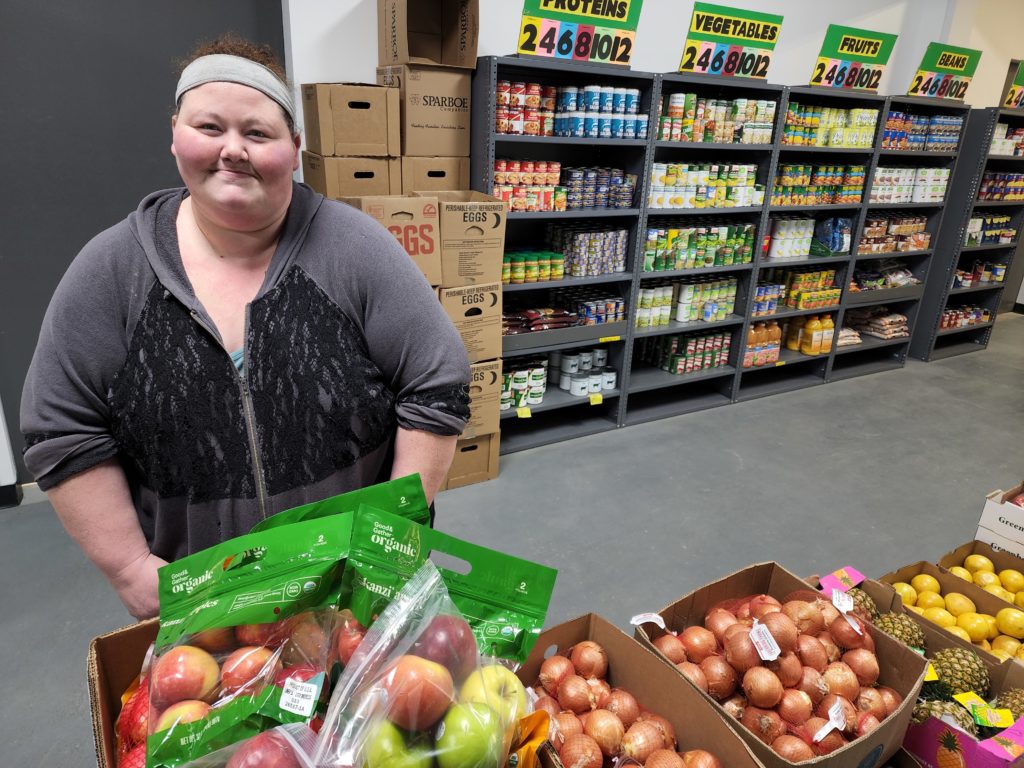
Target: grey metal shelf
<point x="884" y="296"/>
<point x="708" y="146"/>
<point x="892" y="255"/>
<point x="884" y="206"/>
<point x="804" y="208"/>
<point x="647" y="379"/>
<point x="798" y="148"/>
<point x="866" y="367"/>
<point x="965" y="329"/>
<point x="575" y="213"/>
<point x="839" y="258"/>
<point x="871" y="342"/>
<point x="897" y="153"/>
<point x="779" y="386"/>
<point x="784" y="313"/>
<point x="989" y="247"/>
<point x="568" y="141"/>
<point x="680" y="406"/>
<point x="977" y="288"/>
<point x="693" y="327"/>
<point x="1006" y="157"/>
<point x="696" y="271"/>
<point x="957" y="348"/>
<point x="555" y="398"/>
<point x="702" y="211"/>
<point x="997" y="203"/>
<point x="562" y="338"/>
<point x="568" y="282"/>
<point x="545" y="432"/>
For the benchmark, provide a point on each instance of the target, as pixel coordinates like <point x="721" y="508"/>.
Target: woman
<point x="234" y="348"/>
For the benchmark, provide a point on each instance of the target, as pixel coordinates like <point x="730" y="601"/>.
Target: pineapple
<point x="902" y="628"/>
<point x="863" y="606"/>
<point x="948" y="754"/>
<point x="962" y="670"/>
<point x="1012" y="700"/>
<point x="948" y="711"/>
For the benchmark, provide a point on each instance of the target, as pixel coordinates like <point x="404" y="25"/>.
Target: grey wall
<point x="87" y="92"/>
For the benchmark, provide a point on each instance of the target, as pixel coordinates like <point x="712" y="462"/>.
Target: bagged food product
<point x="417" y="693"/>
<point x="286" y="746"/>
<point x="245" y="638"/>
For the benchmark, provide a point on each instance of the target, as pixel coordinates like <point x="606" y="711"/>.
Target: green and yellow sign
<point x="580" y="30"/>
<point x="945" y="72"/>
<point x="852" y="58"/>
<point x="732" y="42"/>
<point x="1015" y="95"/>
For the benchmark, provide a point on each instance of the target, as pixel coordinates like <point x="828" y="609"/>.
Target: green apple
<point x="386" y="747"/>
<point x="499" y="688"/>
<point x="470" y="736"/>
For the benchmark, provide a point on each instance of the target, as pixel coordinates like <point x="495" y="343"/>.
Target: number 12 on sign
<point x="721" y="59"/>
<point x="581" y="42"/>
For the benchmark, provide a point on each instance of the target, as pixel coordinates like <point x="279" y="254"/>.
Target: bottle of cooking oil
<point x="828" y="330"/>
<point x="810" y="344"/>
<point x="794" y="333"/>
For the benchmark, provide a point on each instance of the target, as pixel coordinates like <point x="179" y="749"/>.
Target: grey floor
<point x="874" y="472"/>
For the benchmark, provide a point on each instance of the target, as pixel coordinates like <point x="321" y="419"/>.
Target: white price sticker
<point x="836" y="721"/>
<point x="298" y="697"/>
<point x="648" y="618"/>
<point x="842" y="600"/>
<point x="853" y="623"/>
<point x="766" y="646"/>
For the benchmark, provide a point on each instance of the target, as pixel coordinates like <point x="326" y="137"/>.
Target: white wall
<point x="992" y="26"/>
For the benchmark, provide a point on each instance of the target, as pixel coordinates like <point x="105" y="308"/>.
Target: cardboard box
<point x="347" y="119"/>
<point x="996" y="541"/>
<point x="476" y="312"/>
<point x="637" y="670"/>
<point x="903" y="759"/>
<point x="435" y="104"/>
<point x="472" y="237"/>
<point x="475" y="461"/>
<point x="1004" y="520"/>
<point x="434" y="174"/>
<point x="428" y="32"/>
<point x="1000" y="558"/>
<point x="341" y="177"/>
<point x="114" y="661"/>
<point x="901" y="669"/>
<point x="484" y="399"/>
<point x="414" y="223"/>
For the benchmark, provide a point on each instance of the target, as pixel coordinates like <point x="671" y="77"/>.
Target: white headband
<point x="224" y="68"/>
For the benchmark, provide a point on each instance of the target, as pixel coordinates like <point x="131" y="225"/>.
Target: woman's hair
<point x="235" y="45"/>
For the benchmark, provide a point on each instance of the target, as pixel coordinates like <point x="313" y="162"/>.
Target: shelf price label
<point x="945" y="72"/>
<point x="1015" y="93"/>
<point x="852" y="59"/>
<point x="602" y="32"/>
<point x="732" y="42"/>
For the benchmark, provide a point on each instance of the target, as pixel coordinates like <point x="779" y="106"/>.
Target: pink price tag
<point x="765" y="644"/>
<point x="843" y="579"/>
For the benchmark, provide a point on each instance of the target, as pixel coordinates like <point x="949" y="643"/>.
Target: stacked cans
<point x="982" y="230"/>
<point x="816" y="126"/>
<point x="529" y="185"/>
<point x="598" y="188"/>
<point x="963" y="317"/>
<point x="691" y="300"/>
<point x="524" y="383"/>
<point x="818" y="184"/>
<point x="703" y="245"/>
<point x="909" y="185"/>
<point x="692" y="185"/>
<point x="592" y="307"/>
<point x="524" y="109"/>
<point x="680" y="354"/>
<point x="892" y="233"/>
<point x="935" y="133"/>
<point x="1007" y="140"/>
<point x="790" y="237"/>
<point x="589" y="253"/>
<point x="582" y="372"/>
<point x="1001" y="186"/>
<point x="599" y="111"/>
<point x="688" y="117"/>
<point x="795" y="289"/>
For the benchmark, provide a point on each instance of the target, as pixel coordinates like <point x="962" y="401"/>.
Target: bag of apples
<point x="244" y="642"/>
<point x="286" y="746"/>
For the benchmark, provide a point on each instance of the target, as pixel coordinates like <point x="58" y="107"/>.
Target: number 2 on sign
<point x="1014" y="97"/>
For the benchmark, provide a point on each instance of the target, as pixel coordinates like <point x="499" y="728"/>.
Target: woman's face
<point x="235" y="154"/>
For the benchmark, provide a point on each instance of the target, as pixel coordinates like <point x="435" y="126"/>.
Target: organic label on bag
<point x="732" y="42"/>
<point x="852" y="58"/>
<point x="765" y="644"/>
<point x="601" y="31"/>
<point x="945" y="72"/>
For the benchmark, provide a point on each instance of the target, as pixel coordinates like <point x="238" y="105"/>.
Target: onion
<point x="891" y="698"/>
<point x="763" y="723"/>
<point x="607" y="730"/>
<point x="849" y="711"/>
<point x="832" y="741"/>
<point x="741" y="653"/>
<point x="695" y="674"/>
<point x="845" y="636"/>
<point x="811" y="652"/>
<point x="699" y="643"/>
<point x="869" y="642"/>
<point x="718" y="620"/>
<point x="762" y="605"/>
<point x="870" y="700"/>
<point x="825" y="638"/>
<point x="672" y="648"/>
<point x="622" y="704"/>
<point x="581" y="751"/>
<point x="553" y="671"/>
<point x="664" y="758"/>
<point x="795" y="706"/>
<point x="731" y="605"/>
<point x="829" y="613"/>
<point x="698" y="758"/>
<point x="866" y="723"/>
<point x="589" y="659"/>
<point x="566" y="724"/>
<point x="641" y="739"/>
<point x="813" y="684"/>
<point x="735" y="629"/>
<point x="601" y="690"/>
<point x="668" y="733"/>
<point x="720" y="677"/>
<point x="783" y="630"/>
<point x="841" y="680"/>
<point x="808" y="618"/>
<point x="583" y="719"/>
<point x="864" y="665"/>
<point x="805" y="595"/>
<point x="575" y="695"/>
<point x="787" y="668"/>
<point x="792" y="749"/>
<point x="735" y="705"/>
<point x="548" y="704"/>
<point x="762" y="687"/>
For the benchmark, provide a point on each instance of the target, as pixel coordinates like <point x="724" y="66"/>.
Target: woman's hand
<point x="136" y="585"/>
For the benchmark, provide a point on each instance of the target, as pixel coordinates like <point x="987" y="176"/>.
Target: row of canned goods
<point x="686" y="117"/>
<point x="817" y="194"/>
<point x="518" y="268"/>
<point x="680" y="354"/>
<point x="689" y="301"/>
<point x="681" y="185"/>
<point x="934" y="133"/>
<point x="964" y="317"/>
<point x="983" y="230"/>
<point x="795" y="290"/>
<point x="1001" y="186"/>
<point x="568" y="98"/>
<point x="981" y="273"/>
<point x="817" y="126"/>
<point x="909" y="185"/>
<point x="531" y="198"/>
<point x="591" y="125"/>
<point x="588" y="252"/>
<point x="719" y="245"/>
<point x="591" y="307"/>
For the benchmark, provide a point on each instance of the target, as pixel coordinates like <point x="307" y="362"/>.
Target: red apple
<point x="419" y="692"/>
<point x="183" y="712"/>
<point x="184" y="672"/>
<point x="134" y="758"/>
<point x="449" y="641"/>
<point x="302" y="673"/>
<point x="248" y="670"/>
<point x="133" y="722"/>
<point x="215" y="640"/>
<point x="271" y="635"/>
<point x="306" y="645"/>
<point x="349" y="635"/>
<point x="316" y="724"/>
<point x="264" y="750"/>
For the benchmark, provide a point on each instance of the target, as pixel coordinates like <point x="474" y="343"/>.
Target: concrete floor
<point x="875" y="472"/>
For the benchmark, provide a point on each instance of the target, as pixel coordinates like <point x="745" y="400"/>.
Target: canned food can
<point x="549" y="98"/>
<point x="591" y="125"/>
<point x="619" y="101"/>
<point x="568" y="96"/>
<point x="607" y="94"/>
<point x="503" y="93"/>
<point x="518" y="95"/>
<point x="604" y="126"/>
<point x="591" y="98"/>
<point x="533" y="95"/>
<point x="501" y="119"/>
<point x="632" y="101"/>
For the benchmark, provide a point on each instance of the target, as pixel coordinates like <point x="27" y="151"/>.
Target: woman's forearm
<point x="426" y="453"/>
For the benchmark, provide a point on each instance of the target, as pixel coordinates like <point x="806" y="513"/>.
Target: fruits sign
<point x="945" y="72"/>
<point x="602" y="31"/>
<point x="1014" y="97"/>
<point x="852" y="58"/>
<point x="733" y="42"/>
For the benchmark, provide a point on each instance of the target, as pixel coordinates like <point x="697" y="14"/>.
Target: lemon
<point x="915" y="609"/>
<point x="906" y="592"/>
<point x="925" y="583"/>
<point x="957" y="604"/>
<point x="1001" y="655"/>
<point x="1006" y="643"/>
<point x="961" y="633"/>
<point x="1020" y="653"/>
<point x="975" y="625"/>
<point x="940" y="616"/>
<point x="1011" y="580"/>
<point x="986" y="579"/>
<point x="1018" y="599"/>
<point x="993" y="626"/>
<point x="929" y="599"/>
<point x="962" y="572"/>
<point x="975" y="563"/>
<point x="1011" y="622"/>
<point x="999" y="592"/>
<point x="984" y="645"/>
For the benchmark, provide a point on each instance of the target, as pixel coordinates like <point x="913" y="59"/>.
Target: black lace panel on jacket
<point x="321" y="404"/>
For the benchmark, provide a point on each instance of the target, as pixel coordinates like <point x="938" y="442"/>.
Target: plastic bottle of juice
<point x="828" y="330"/>
<point x="774" y="341"/>
<point x="794" y="333"/>
<point x="811" y="342"/>
<point x="749" y="350"/>
<point x="762" y="344"/>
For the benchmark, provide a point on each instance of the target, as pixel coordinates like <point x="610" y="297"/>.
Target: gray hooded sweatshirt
<point x="344" y="342"/>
